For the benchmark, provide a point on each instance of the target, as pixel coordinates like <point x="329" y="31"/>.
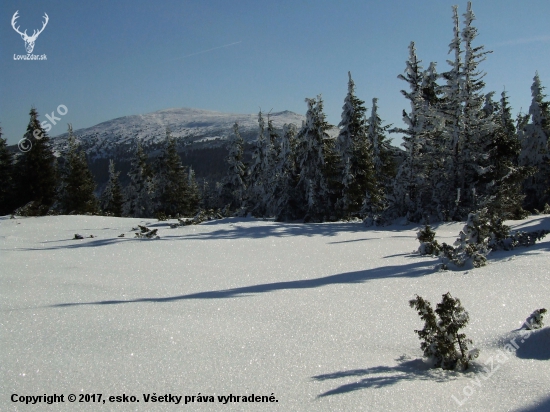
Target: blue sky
<point x="107" y="59"/>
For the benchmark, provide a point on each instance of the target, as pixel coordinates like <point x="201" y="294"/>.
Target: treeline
<point x="39" y="183"/>
<point x="463" y="151"/>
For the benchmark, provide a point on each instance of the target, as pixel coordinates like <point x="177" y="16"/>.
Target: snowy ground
<point x="316" y="315"/>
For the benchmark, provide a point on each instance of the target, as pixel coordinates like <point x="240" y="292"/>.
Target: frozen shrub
<point x="482" y="233"/>
<point x="146" y="233"/>
<point x="441" y="340"/>
<point x="428" y="244"/>
<point x="162" y="217"/>
<point x="472" y="245"/>
<point x="535" y="320"/>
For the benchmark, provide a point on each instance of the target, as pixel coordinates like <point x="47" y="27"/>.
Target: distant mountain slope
<point x="193" y="128"/>
<point x="201" y="136"/>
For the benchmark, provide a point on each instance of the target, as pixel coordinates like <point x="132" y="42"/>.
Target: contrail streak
<point x="206" y="51"/>
<point x="516" y="42"/>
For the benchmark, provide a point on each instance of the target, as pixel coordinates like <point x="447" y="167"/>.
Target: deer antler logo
<point x="29" y="40"/>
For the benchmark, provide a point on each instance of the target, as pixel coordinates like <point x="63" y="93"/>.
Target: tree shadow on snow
<point x="536" y="346"/>
<point x="381" y="376"/>
<point x="542" y="246"/>
<point x="79" y="243"/>
<point x="240" y="230"/>
<point x="235" y="228"/>
<point x="542" y="222"/>
<point x="544" y="406"/>
<point x="410" y="270"/>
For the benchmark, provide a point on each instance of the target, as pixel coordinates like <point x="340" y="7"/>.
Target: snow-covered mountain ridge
<point x="195" y="128"/>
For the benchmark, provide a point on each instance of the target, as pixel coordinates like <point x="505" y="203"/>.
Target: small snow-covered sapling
<point x="428" y="244"/>
<point x="441" y="341"/>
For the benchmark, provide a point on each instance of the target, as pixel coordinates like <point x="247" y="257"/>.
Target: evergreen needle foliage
<point x="112" y="199"/>
<point x="481" y="234"/>
<point x="428" y="244"/>
<point x="7" y="186"/>
<point x="36" y="172"/>
<point x="442" y="341"/>
<point x="78" y="185"/>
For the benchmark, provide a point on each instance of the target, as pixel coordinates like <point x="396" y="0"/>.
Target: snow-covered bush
<point x="521" y="238"/>
<point x="161" y="216"/>
<point x="472" y="245"/>
<point x="441" y="341"/>
<point x="202" y="216"/>
<point x="482" y="233"/>
<point x="146" y="233"/>
<point x="545" y="211"/>
<point x="535" y="320"/>
<point x="428" y="244"/>
<point x="32" y="208"/>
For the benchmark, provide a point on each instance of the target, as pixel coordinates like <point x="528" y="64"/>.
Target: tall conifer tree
<point x="284" y="197"/>
<point x="257" y="172"/>
<point x="7" y="186"/>
<point x="36" y="171"/>
<point x="357" y="175"/>
<point x="467" y="128"/>
<point x="411" y="185"/>
<point x="316" y="161"/>
<point x="535" y="150"/>
<point x="171" y="181"/>
<point x="235" y="184"/>
<point x="505" y="177"/>
<point x="78" y="182"/>
<point x="140" y="191"/>
<point x="111" y="199"/>
<point x="384" y="168"/>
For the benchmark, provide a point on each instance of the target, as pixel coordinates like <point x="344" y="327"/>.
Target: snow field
<point x="316" y="314"/>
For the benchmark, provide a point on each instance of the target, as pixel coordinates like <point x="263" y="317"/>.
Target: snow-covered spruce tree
<point x="428" y="244"/>
<point x="505" y="177"/>
<point x="171" y="196"/>
<point x="382" y="158"/>
<point x="193" y="194"/>
<point x="270" y="167"/>
<point x="467" y="127"/>
<point x="111" y="200"/>
<point x="35" y="171"/>
<point x="357" y="175"/>
<point x="316" y="161"/>
<point x="78" y="185"/>
<point x="421" y="178"/>
<point x="7" y="187"/>
<point x="283" y="199"/>
<point x="442" y="341"/>
<point x="211" y="194"/>
<point x="472" y="245"/>
<point x="235" y="182"/>
<point x="257" y="193"/>
<point x="452" y="108"/>
<point x="140" y="190"/>
<point x="535" y="148"/>
<point x="477" y="126"/>
<point x="435" y="150"/>
<point x="411" y="186"/>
